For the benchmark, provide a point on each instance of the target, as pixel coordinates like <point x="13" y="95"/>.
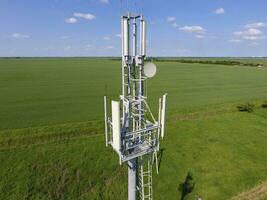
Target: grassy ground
<point x="226" y="151"/>
<point x="51" y="133"/>
<point x="42" y="92"/>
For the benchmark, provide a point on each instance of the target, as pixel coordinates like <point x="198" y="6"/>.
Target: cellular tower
<point x="132" y="130"/>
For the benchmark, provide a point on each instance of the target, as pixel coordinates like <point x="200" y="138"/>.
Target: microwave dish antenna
<point x="150" y="70"/>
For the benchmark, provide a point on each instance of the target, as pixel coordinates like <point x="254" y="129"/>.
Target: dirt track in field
<point x="257" y="193"/>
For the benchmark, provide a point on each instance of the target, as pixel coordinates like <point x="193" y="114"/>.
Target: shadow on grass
<point x="160" y="154"/>
<point x="187" y="186"/>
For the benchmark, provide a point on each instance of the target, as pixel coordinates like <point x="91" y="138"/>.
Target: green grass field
<point x="52" y="135"/>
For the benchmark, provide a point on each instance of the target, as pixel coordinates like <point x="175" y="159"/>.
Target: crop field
<point x="52" y="135"/>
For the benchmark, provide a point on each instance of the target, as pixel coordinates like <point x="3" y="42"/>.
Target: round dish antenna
<point x="150" y="70"/>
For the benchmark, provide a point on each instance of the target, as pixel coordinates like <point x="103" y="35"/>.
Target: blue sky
<point x="92" y="27"/>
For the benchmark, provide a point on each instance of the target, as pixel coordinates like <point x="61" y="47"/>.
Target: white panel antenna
<point x="163" y="111"/>
<point x="116" y="129"/>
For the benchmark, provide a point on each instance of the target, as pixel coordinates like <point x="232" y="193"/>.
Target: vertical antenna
<point x="134" y="37"/>
<point x="106" y="121"/>
<point x="142" y="37"/>
<point x="125" y="36"/>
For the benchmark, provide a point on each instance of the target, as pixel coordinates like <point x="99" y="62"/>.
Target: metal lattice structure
<point x="132" y="130"/>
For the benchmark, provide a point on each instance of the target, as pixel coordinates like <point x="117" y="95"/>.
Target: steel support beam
<point x="132" y="177"/>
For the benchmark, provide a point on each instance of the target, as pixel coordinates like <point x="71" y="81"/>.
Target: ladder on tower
<point x="145" y="179"/>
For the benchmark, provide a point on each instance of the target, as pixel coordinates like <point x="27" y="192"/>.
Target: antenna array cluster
<point x="132" y="130"/>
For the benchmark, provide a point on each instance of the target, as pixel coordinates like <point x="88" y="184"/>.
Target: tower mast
<point x="135" y="136"/>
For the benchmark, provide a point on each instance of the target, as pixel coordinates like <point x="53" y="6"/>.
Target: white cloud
<point x="193" y="29"/>
<point x="119" y="35"/>
<point x="68" y="48"/>
<point x="199" y="36"/>
<point x="65" y="37"/>
<point x="104" y="1"/>
<point x="254" y="37"/>
<point x="48" y="48"/>
<point x="171" y="19"/>
<point x="182" y="50"/>
<point x="250" y="34"/>
<point x="20" y="36"/>
<point x="106" y="38"/>
<point x="89" y="47"/>
<point x="219" y="11"/>
<point x="175" y="25"/>
<point x="253" y="44"/>
<point x="235" y="40"/>
<point x="256" y="25"/>
<point x="251" y="31"/>
<point x="110" y="47"/>
<point x="71" y="20"/>
<point x="87" y="16"/>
